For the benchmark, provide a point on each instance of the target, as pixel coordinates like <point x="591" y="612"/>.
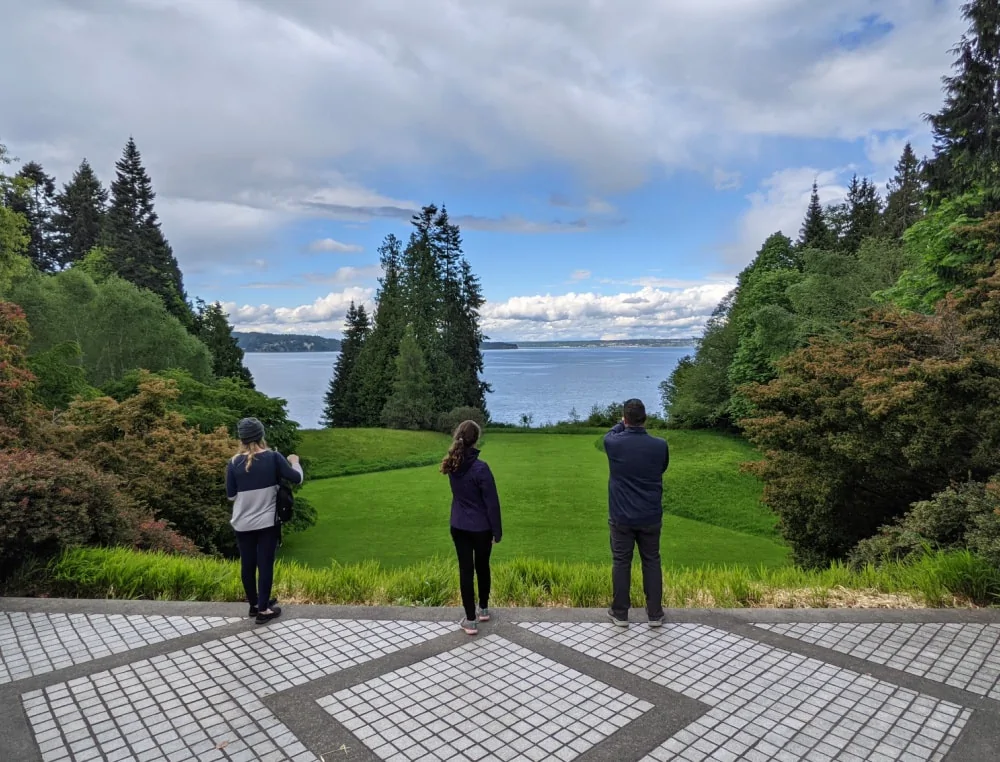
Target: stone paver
<point x="401" y="690"/>
<point x="492" y="699"/>
<point x="767" y="702"/>
<point x="966" y="656"/>
<point x="32" y="644"/>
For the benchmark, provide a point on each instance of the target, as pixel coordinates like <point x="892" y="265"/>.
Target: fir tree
<point x="211" y="325"/>
<point x="343" y="398"/>
<point x="36" y="201"/>
<point x="814" y="233"/>
<point x="864" y="214"/>
<point x="80" y="210"/>
<point x="904" y="195"/>
<point x="967" y="128"/>
<point x="377" y="362"/>
<point x="411" y="405"/>
<point x="135" y="245"/>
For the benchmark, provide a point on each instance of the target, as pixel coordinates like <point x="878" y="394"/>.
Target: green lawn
<point x="553" y="489"/>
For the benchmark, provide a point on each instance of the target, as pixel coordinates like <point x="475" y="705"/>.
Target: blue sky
<point x="612" y="165"/>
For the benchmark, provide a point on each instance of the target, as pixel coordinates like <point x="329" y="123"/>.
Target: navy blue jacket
<point x="475" y="505"/>
<point x="637" y="463"/>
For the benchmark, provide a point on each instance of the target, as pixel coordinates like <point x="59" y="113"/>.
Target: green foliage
<point x="815" y="232"/>
<point x="211" y="325"/>
<point x="905" y="195"/>
<point x="949" y="247"/>
<point x="34" y="198"/>
<point x="220" y="403"/>
<point x="411" y="405"/>
<point x="134" y="243"/>
<point x="117" y="326"/>
<point x="448" y="422"/>
<point x="14" y="229"/>
<point x="343" y="398"/>
<point x="966" y="516"/>
<point x="607" y="416"/>
<point x="48" y="504"/>
<point x="855" y="430"/>
<point x="60" y="375"/>
<point x="79" y="215"/>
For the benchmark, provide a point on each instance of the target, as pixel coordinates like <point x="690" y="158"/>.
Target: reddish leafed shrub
<point x="158" y="535"/>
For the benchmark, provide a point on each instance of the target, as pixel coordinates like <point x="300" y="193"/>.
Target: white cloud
<point x="779" y="205"/>
<point x="328" y="244"/>
<point x="308" y="318"/>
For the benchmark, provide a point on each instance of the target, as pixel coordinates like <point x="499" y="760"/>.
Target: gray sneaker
<point x="469" y="627"/>
<point x="656" y="622"/>
<point x="483" y="615"/>
<point x="616" y="621"/>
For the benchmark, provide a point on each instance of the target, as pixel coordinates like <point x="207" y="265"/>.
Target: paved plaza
<point x="115" y="680"/>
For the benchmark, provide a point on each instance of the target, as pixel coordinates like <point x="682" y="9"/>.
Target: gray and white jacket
<point x="254" y="492"/>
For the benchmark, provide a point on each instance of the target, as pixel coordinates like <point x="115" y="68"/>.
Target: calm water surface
<point x="545" y="383"/>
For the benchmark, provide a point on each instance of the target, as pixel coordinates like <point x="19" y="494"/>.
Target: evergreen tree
<point x="80" y="210"/>
<point x="411" y="405"/>
<point x="211" y="325"/>
<point x="135" y="245"/>
<point x="342" y="402"/>
<point x="376" y="365"/>
<point x="35" y="200"/>
<point x="864" y="214"/>
<point x="967" y="128"/>
<point x="904" y="195"/>
<point x="469" y="352"/>
<point x="14" y="236"/>
<point x="814" y="233"/>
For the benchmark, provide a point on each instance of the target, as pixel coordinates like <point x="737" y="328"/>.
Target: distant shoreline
<point x="270" y="343"/>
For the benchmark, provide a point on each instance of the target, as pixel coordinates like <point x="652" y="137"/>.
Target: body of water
<point x="545" y="383"/>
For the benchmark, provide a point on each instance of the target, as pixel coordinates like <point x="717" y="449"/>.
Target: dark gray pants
<point x="624" y="539"/>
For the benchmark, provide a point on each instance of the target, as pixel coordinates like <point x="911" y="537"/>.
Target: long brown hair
<point x="466" y="435"/>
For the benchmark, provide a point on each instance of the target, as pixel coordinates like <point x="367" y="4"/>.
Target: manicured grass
<point x="553" y="488"/>
<point x="941" y="580"/>
<point x="339" y="452"/>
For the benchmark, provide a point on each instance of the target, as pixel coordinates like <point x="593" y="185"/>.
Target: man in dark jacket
<point x="635" y="506"/>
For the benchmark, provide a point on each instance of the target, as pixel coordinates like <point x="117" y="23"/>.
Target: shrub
<point x="303" y="516"/>
<point x="16" y="380"/>
<point x="958" y="518"/>
<point x="156" y="535"/>
<point x="173" y="469"/>
<point x="48" y="504"/>
<point x="448" y="422"/>
<point x="607" y="416"/>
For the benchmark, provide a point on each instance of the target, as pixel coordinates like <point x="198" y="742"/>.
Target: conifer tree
<point x="342" y="401"/>
<point x="135" y="245"/>
<point x="967" y="128"/>
<point x="35" y="200"/>
<point x="80" y="210"/>
<point x="814" y="233"/>
<point x="864" y="214"/>
<point x="211" y="325"/>
<point x="411" y="405"/>
<point x="904" y="195"/>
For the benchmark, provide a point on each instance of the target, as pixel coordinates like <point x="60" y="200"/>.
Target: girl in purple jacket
<point x="475" y="520"/>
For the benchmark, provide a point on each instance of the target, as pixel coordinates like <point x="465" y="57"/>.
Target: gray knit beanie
<point x="250" y="430"/>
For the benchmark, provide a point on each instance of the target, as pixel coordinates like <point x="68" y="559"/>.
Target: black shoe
<point x="265" y="618"/>
<point x="616" y="620"/>
<point x="254" y="609"/>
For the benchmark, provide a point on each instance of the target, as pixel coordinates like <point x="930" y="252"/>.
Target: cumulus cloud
<point x="779" y="205"/>
<point x="324" y="312"/>
<point x="328" y="244"/>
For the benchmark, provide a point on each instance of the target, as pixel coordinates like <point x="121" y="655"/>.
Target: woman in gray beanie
<point x="252" y="479"/>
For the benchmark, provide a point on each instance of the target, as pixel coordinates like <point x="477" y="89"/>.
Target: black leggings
<point x="474" y="550"/>
<point x="257" y="556"/>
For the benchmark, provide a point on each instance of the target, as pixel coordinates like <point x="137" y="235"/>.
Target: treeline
<point x="118" y="395"/>
<point x="863" y="359"/>
<point x="284" y="342"/>
<point x="417" y="363"/>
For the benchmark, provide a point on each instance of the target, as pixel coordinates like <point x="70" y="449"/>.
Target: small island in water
<point x="290" y="342"/>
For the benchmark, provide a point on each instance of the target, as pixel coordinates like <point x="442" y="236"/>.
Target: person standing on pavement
<point x="252" y="480"/>
<point x="637" y="462"/>
<point x="475" y="520"/>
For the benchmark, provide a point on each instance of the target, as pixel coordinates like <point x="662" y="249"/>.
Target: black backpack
<point x="285" y="500"/>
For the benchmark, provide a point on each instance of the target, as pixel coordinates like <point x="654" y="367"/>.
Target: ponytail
<point x="466" y="436"/>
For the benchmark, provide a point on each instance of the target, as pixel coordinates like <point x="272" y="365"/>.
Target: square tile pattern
<point x="489" y="700"/>
<point x="203" y="703"/>
<point x="33" y="644"/>
<point x="965" y="656"/>
<point x="767" y="703"/>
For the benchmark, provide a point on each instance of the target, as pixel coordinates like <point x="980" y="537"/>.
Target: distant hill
<point x="285" y="342"/>
<point x="497" y="345"/>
